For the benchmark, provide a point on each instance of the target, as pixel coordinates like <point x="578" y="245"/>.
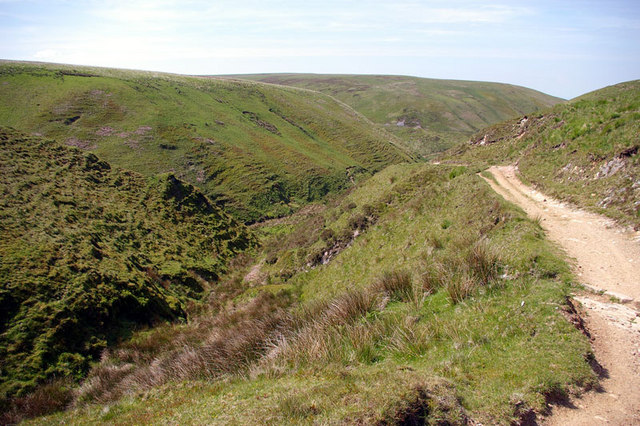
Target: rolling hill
<point x="429" y="115"/>
<point x="257" y="150"/>
<point x="585" y="152"/>
<point x="417" y="296"/>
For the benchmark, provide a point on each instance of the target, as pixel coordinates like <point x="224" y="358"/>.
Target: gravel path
<point x="607" y="262"/>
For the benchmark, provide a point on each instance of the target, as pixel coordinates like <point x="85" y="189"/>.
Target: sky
<point x="563" y="48"/>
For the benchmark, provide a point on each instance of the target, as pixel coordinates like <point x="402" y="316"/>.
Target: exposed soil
<point x="607" y="262"/>
<point x="255" y="276"/>
<point x="82" y="144"/>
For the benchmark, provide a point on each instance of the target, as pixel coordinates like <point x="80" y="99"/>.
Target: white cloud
<point x="46" y="54"/>
<point x="483" y="15"/>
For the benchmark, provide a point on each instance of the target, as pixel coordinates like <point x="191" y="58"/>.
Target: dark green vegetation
<point x="257" y="150"/>
<point x="428" y="115"/>
<point x="430" y="309"/>
<point x="88" y="254"/>
<point x="586" y="152"/>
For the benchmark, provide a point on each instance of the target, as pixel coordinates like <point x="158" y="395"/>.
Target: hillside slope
<point x="586" y="152"/>
<point x="429" y="115"/>
<point x="399" y="303"/>
<point x="89" y="253"/>
<point x="257" y="150"/>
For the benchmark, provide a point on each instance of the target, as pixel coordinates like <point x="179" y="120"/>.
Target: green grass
<point x="90" y="253"/>
<point x="436" y="113"/>
<point x="257" y="150"/>
<point x="416" y="294"/>
<point x="375" y="335"/>
<point x="585" y="152"/>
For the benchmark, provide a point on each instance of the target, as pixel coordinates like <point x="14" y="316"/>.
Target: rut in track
<point x="607" y="261"/>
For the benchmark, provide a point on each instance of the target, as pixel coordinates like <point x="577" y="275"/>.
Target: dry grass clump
<point x="348" y="307"/>
<point x="460" y="285"/>
<point x="324" y="326"/>
<point x="225" y="344"/>
<point x="433" y="278"/>
<point x="396" y="285"/>
<point x="45" y="399"/>
<point x="477" y="265"/>
<point x="408" y="338"/>
<point x="483" y="261"/>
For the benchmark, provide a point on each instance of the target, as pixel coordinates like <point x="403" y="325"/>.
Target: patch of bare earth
<point x="607" y="262"/>
<point x="78" y="143"/>
<point x="255" y="276"/>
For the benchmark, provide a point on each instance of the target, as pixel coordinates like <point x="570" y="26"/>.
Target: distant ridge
<point x="429" y="115"/>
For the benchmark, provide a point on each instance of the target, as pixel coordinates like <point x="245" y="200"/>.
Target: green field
<point x="257" y="150"/>
<point x="428" y="115"/>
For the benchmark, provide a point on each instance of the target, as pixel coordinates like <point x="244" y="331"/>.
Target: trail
<point x="607" y="262"/>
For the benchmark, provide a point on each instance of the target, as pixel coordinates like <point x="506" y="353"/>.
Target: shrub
<point x="368" y="210"/>
<point x="328" y="235"/>
<point x="358" y="222"/>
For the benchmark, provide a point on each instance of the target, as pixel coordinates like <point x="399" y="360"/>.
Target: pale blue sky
<point x="564" y="48"/>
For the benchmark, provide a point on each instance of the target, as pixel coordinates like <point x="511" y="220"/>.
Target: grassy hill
<point x="257" y="150"/>
<point x="586" y="152"/>
<point x="429" y="115"/>
<point x="89" y="253"/>
<point x="397" y="303"/>
<point x="417" y="295"/>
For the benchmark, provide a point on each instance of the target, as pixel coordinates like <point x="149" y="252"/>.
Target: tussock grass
<point x="396" y="285"/>
<point x="460" y="284"/>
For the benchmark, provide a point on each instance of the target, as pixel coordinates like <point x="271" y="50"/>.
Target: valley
<point x="191" y="250"/>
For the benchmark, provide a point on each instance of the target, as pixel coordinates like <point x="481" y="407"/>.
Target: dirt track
<point x="607" y="259"/>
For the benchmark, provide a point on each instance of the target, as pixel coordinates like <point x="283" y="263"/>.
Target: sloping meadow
<point x="586" y="152"/>
<point x="442" y="303"/>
